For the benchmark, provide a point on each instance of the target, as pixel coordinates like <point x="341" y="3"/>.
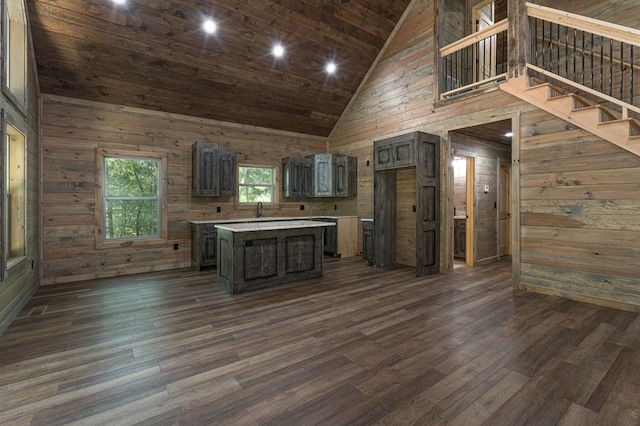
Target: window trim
<point x="10" y="266"/>
<point x="100" y="242"/>
<point x="20" y="104"/>
<point x="275" y="184"/>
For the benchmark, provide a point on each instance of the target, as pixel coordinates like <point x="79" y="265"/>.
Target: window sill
<point x="124" y="243"/>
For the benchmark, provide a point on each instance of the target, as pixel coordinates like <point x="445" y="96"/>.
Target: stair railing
<point x="595" y="56"/>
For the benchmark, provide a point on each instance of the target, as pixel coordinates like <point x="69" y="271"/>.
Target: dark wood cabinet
<point x="320" y="175"/>
<point x="367" y="240"/>
<point x="203" y="245"/>
<point x="214" y="171"/>
<point x="227" y="176"/>
<point x="396" y="152"/>
<point x="298" y="177"/>
<point x="335" y="175"/>
<point x="330" y="239"/>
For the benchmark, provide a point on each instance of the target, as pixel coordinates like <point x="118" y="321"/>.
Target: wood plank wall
<point x="398" y="97"/>
<point x="73" y="129"/>
<point x="580" y="198"/>
<point x="17" y="288"/>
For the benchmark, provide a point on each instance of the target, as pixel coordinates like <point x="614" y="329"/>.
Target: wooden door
<point x="504" y="232"/>
<point x="428" y="209"/>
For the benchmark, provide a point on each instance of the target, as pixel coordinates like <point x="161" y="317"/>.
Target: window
<point x="14" y="196"/>
<point x="15" y="48"/>
<point x="131" y="197"/>
<point x="256" y="184"/>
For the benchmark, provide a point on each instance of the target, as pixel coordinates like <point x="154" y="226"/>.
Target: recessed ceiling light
<point x="331" y="67"/>
<point x="119" y="1"/>
<point x="209" y="26"/>
<point x="508" y="134"/>
<point x="278" y="50"/>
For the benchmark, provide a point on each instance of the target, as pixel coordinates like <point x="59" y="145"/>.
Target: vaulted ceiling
<point x="154" y="54"/>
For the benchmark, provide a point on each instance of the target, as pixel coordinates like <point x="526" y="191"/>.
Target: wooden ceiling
<point x="154" y="54"/>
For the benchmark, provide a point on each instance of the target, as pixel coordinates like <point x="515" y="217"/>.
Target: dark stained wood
<point x="428" y="221"/>
<point x="154" y="55"/>
<point x="360" y="345"/>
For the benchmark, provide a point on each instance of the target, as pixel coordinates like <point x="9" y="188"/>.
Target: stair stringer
<point x="570" y="107"/>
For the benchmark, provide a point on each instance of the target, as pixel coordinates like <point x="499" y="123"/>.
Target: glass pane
<point x="256" y="175"/>
<point x="131" y="219"/>
<point x="254" y="194"/>
<point x="126" y="177"/>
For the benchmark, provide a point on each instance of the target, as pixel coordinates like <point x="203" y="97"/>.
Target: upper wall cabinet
<point x="335" y="175"/>
<point x="396" y="152"/>
<point x="298" y="177"/>
<point x="214" y="171"/>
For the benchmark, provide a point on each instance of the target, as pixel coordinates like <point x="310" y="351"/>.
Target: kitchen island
<point x="264" y="254"/>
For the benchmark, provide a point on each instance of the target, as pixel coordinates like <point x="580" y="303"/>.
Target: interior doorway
<point x="463" y="208"/>
<point x="480" y="194"/>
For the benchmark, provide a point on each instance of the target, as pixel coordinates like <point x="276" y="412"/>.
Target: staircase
<point x="600" y="121"/>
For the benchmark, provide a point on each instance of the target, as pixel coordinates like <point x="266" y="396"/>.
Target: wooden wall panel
<point x="17" y="288"/>
<point x="579" y="204"/>
<point x="398" y="97"/>
<point x="73" y="129"/>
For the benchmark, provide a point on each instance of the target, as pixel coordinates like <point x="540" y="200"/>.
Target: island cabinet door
<point x="227" y="173"/>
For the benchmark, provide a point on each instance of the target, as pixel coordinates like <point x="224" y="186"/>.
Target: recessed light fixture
<point x="119" y="1"/>
<point x="278" y="50"/>
<point x="209" y="26"/>
<point x="331" y="67"/>
<point x="508" y="134"/>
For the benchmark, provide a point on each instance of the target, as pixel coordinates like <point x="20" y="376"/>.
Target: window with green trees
<point x="256" y="184"/>
<point x="132" y="197"/>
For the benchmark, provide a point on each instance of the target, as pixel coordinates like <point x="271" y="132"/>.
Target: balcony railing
<point x="592" y="56"/>
<point x="476" y="60"/>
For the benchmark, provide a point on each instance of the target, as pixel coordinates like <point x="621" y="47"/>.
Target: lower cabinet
<point x="367" y="240"/>
<point x="342" y="239"/>
<point x="203" y="245"/>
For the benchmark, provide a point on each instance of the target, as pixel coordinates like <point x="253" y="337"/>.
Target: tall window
<point x="14" y="80"/>
<point x="256" y="184"/>
<point x="15" y="200"/>
<point x="132" y="197"/>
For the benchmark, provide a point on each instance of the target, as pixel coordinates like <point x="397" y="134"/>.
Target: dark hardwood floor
<point x="359" y="346"/>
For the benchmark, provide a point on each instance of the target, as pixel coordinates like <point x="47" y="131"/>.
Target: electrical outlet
<point x="175" y="246"/>
<point x="301" y="206"/>
<point x="218" y="209"/>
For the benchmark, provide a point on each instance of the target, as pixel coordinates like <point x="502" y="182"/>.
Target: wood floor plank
<point x="360" y="345"/>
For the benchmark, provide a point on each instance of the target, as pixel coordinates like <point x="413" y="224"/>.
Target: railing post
<point x="518" y="38"/>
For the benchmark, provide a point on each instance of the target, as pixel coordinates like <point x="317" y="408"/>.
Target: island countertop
<point x="273" y="225"/>
<point x="264" y="219"/>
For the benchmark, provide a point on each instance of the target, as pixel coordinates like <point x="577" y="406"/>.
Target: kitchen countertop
<point x="273" y="225"/>
<point x="266" y="219"/>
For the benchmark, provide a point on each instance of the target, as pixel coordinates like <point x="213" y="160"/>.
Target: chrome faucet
<point x="259" y="207"/>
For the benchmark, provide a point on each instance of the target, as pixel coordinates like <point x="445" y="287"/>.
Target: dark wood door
<point x="428" y="217"/>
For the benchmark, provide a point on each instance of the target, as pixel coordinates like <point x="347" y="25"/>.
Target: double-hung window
<point x="131" y="197"/>
<point x="14" y="202"/>
<point x="256" y="184"/>
<point x="14" y="75"/>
